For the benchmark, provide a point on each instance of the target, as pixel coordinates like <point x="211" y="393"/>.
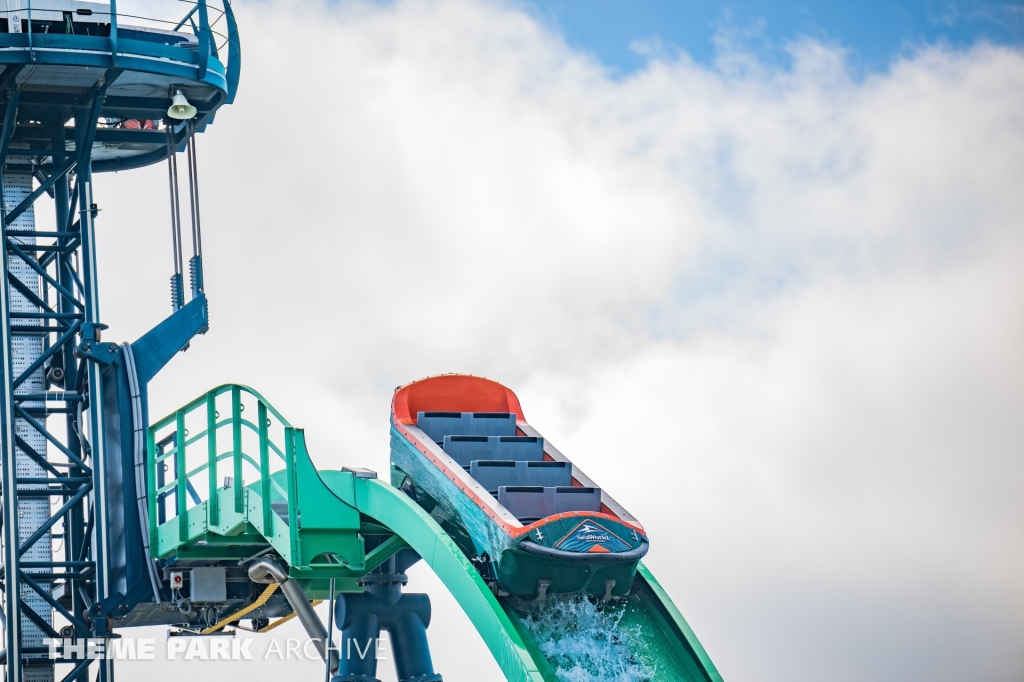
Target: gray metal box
<point x="209" y="584"/>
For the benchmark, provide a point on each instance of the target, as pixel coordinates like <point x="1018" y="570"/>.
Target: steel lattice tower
<point x="83" y="92"/>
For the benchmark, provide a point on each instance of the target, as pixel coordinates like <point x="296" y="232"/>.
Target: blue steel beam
<point x="8" y="467"/>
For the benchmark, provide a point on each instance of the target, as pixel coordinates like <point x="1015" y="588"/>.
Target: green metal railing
<point x="190" y="449"/>
<point x="228" y="476"/>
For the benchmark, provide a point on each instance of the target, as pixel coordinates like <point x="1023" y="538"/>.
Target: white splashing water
<point x="585" y="641"/>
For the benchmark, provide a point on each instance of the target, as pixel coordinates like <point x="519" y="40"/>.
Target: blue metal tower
<point x="85" y="90"/>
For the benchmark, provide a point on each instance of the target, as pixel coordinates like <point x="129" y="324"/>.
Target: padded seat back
<point x="466" y="449"/>
<point x="437" y="425"/>
<point x="532" y="503"/>
<point x="495" y="474"/>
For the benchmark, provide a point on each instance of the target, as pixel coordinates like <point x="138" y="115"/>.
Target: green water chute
<point x="253" y="487"/>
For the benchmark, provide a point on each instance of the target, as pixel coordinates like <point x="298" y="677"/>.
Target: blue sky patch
<point x="621" y="33"/>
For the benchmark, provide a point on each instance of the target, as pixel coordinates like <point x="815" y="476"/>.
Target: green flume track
<point x="250" y="485"/>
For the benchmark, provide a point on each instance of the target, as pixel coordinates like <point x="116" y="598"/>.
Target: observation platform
<point x="57" y="55"/>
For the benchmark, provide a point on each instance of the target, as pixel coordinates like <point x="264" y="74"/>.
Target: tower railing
<point x="197" y="20"/>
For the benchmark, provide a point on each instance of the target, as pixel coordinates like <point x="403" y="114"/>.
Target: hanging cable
<point x="195" y="265"/>
<point x="193" y="187"/>
<point x="177" y="293"/>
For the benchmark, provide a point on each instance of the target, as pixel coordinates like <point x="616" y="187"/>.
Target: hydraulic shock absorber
<point x="195" y="264"/>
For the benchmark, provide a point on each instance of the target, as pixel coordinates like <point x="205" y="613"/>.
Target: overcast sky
<point x="776" y="309"/>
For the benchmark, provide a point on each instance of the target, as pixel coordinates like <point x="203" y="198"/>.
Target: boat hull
<point x="574" y="552"/>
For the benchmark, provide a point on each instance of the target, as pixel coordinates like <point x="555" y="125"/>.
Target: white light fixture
<point x="180" y="108"/>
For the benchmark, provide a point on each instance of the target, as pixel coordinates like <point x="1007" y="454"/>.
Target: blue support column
<point x="12" y="597"/>
<point x="383" y="606"/>
<point x="94" y="370"/>
<point x="357" y="660"/>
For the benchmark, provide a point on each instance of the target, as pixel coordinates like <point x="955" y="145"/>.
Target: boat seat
<point x="467" y="449"/>
<point x="532" y="503"/>
<point x="494" y="474"/>
<point x="437" y="425"/>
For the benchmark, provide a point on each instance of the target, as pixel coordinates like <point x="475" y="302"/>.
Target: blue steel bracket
<point x="127" y="415"/>
<point x="103" y="353"/>
<point x="91" y="349"/>
<point x="156" y="348"/>
<point x="102" y="614"/>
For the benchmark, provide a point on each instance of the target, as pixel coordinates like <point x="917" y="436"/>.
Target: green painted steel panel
<point x="394" y="509"/>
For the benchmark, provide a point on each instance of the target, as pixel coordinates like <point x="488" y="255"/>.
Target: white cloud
<point x="790" y="300"/>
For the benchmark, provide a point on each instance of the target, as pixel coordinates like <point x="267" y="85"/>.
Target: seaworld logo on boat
<point x="588" y="535"/>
